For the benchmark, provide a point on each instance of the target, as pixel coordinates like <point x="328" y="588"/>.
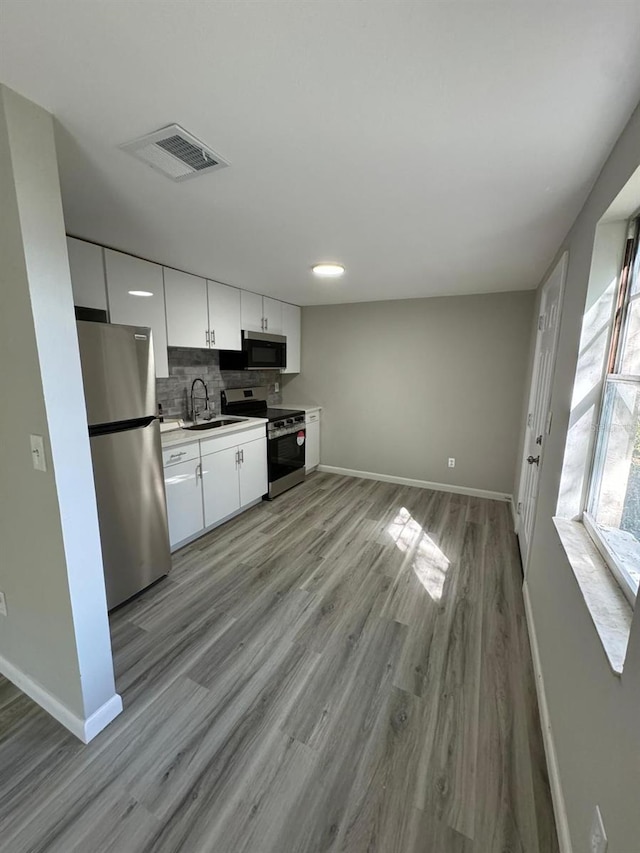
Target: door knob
<point x="533" y="460"/>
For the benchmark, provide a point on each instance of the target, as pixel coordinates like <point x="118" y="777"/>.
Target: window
<point x="612" y="515"/>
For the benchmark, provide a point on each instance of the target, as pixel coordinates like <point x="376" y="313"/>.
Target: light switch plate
<point x="37" y="453"/>
<point x="598" y="836"/>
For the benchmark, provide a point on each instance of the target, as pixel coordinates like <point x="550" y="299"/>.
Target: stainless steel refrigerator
<point x="119" y="385"/>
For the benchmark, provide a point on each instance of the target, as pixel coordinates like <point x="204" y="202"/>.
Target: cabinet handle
<point x="242" y="456"/>
<point x="266" y="324"/>
<point x="178" y="455"/>
<point x="198" y="471"/>
<point x="237" y="458"/>
<point x="206" y="332"/>
<point x="213" y="337"/>
<point x="262" y="323"/>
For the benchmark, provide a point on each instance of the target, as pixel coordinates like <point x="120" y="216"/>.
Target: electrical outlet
<point x="452" y="462"/>
<point x="598" y="836"/>
<point x="277" y="387"/>
<point x="3" y="604"/>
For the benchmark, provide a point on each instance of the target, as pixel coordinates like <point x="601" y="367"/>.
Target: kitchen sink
<point x="213" y="424"/>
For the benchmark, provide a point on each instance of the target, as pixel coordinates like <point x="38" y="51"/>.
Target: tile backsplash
<point x="185" y="365"/>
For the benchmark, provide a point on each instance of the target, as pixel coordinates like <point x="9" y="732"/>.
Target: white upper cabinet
<point x="251" y="311"/>
<point x="87" y="274"/>
<point x="291" y="328"/>
<point x="201" y="313"/>
<point x="272" y="312"/>
<point x="135" y="290"/>
<point x="187" y="317"/>
<point x="224" y="316"/>
<point x="260" y="313"/>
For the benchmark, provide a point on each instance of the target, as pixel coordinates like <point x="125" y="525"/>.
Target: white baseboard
<point x="559" y="808"/>
<point x="85" y="730"/>
<point x="420" y="484"/>
<point x="101" y="718"/>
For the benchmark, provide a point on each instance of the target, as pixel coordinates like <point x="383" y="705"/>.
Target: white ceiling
<point x="432" y="148"/>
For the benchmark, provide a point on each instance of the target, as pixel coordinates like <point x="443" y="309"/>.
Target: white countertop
<point x="172" y="433"/>
<point x="306" y="408"/>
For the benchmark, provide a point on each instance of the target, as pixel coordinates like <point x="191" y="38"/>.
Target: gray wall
<point x="594" y="714"/>
<point x="54" y="640"/>
<point x="406" y="384"/>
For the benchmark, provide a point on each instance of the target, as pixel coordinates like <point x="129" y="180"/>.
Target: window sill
<point x="608" y="607"/>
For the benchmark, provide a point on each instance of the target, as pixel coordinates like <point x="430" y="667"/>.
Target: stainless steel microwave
<point x="260" y="351"/>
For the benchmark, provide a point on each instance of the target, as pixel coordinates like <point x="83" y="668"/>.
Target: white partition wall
<point x="54" y="638"/>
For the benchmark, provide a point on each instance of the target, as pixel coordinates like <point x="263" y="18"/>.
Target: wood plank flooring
<point x="344" y="669"/>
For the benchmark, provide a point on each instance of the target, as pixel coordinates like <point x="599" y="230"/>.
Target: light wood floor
<point x="344" y="669"/>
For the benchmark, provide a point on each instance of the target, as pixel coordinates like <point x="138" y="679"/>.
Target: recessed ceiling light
<point x="140" y="293"/>
<point x="328" y="270"/>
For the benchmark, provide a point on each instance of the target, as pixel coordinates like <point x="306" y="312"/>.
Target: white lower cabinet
<point x="312" y="446"/>
<point x="211" y="479"/>
<point x="220" y="485"/>
<point x="233" y="478"/>
<point x="184" y="496"/>
<point x="253" y="471"/>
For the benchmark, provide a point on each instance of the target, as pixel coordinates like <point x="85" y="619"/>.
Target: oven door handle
<point x="292" y="431"/>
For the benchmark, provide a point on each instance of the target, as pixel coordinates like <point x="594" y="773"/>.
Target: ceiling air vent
<point x="175" y="153"/>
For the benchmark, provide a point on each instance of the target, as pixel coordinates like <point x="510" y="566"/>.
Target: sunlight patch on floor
<point x="429" y="564"/>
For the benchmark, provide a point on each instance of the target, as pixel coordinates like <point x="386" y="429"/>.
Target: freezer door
<point x="127" y="468"/>
<point x="118" y="372"/>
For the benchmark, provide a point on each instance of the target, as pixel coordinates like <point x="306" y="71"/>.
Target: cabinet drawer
<point x="311" y="417"/>
<point x="181" y="453"/>
<point x="232" y="439"/>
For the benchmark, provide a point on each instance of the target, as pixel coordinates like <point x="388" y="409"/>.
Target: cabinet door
<point x="224" y="316"/>
<point x="253" y="471"/>
<point x="251" y="311"/>
<point x="312" y="445"/>
<point x="291" y="328"/>
<point x="187" y="318"/>
<point x="127" y="277"/>
<point x="272" y="311"/>
<point x="220" y="485"/>
<point x="87" y="274"/>
<point x="184" y="500"/>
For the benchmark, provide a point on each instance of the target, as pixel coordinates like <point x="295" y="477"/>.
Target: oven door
<point x="286" y="459"/>
<point x="264" y="352"/>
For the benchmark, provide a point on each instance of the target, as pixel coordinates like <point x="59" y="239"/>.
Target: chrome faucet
<point x="195" y="399"/>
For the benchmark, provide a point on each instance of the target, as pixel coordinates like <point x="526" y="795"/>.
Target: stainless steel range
<point x="286" y="435"/>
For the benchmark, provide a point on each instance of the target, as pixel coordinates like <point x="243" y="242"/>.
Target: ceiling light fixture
<point x="327" y="270"/>
<point x="140" y="293"/>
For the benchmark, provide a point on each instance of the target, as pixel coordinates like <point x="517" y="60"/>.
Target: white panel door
<point x="220" y="484"/>
<point x="126" y="278"/>
<point x="539" y="413"/>
<point x="272" y="312"/>
<point x="253" y="471"/>
<point x="184" y="500"/>
<point x="312" y="445"/>
<point x="291" y="328"/>
<point x="224" y="316"/>
<point x="251" y="311"/>
<point x="187" y="316"/>
<point x="86" y="264"/>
